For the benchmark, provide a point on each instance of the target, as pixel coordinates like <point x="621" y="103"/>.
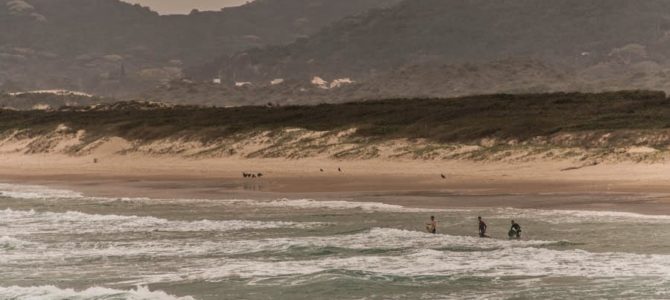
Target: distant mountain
<point x="113" y="48"/>
<point x="573" y="44"/>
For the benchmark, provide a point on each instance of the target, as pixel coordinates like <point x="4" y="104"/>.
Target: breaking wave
<point x="505" y="262"/>
<point x="94" y="293"/>
<point x="25" y="222"/>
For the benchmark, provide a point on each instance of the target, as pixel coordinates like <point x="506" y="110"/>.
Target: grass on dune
<point x="465" y="119"/>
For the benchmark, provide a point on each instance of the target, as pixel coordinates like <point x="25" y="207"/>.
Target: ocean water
<point x="57" y="244"/>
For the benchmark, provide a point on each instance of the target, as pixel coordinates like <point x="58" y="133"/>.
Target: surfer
<point x="515" y="231"/>
<point x="431" y="226"/>
<point x="482" y="228"/>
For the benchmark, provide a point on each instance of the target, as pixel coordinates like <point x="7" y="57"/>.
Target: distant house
<point x="53" y="92"/>
<point x="216" y="80"/>
<point x="318" y="81"/>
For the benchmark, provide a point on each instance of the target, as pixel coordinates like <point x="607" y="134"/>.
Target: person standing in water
<point x="515" y="231"/>
<point x="482" y="228"/>
<point x="431" y="226"/>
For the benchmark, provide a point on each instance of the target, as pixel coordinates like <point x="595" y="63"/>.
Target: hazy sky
<point x="185" y="6"/>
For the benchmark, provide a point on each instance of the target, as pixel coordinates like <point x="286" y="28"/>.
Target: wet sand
<point x="409" y="183"/>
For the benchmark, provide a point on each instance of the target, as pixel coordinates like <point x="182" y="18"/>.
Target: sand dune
<point x="298" y="161"/>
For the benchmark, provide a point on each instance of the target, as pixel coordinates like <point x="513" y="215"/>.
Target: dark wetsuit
<point x="515" y="231"/>
<point x="482" y="229"/>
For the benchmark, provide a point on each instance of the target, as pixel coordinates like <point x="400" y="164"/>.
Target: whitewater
<point x="60" y="244"/>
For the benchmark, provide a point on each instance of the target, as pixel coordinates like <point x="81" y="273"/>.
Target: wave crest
<point x="55" y="293"/>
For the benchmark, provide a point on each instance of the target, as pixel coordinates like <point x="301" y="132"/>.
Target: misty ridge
<point x="112" y="48"/>
<point x="316" y="51"/>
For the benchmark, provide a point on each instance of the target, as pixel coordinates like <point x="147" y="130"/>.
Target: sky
<point x="185" y="6"/>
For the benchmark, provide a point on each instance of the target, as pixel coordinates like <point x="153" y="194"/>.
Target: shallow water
<point x="57" y="244"/>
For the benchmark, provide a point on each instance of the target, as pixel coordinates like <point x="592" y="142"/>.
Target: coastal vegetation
<point x="466" y="119"/>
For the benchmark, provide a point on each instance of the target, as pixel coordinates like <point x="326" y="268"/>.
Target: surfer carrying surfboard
<point x="482" y="228"/>
<point x="431" y="226"/>
<point x="515" y="231"/>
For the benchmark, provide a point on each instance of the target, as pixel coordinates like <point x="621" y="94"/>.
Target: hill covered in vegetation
<point x="564" y="32"/>
<point x="452" y="48"/>
<point x="112" y="48"/>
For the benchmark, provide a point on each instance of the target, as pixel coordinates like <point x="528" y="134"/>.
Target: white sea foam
<point x="55" y="293"/>
<point x="552" y="216"/>
<point x="337" y="205"/>
<point x="41" y="192"/>
<point x="505" y="262"/>
<point x="375" y="239"/>
<point x="314" y="204"/>
<point x="378" y="239"/>
<point x="10" y="243"/>
<point x="306" y="204"/>
<point x="26" y="222"/>
<point x="578" y="216"/>
<point x="35" y="192"/>
<point x="21" y="191"/>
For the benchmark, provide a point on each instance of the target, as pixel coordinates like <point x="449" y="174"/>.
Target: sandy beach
<point x="420" y="181"/>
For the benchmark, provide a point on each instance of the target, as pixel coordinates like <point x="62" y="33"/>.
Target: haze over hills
<point x="453" y="32"/>
<point x="114" y="48"/>
<point x="314" y="51"/>
<point x="443" y="48"/>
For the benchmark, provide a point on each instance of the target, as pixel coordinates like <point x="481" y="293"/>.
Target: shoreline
<point x="640" y="188"/>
